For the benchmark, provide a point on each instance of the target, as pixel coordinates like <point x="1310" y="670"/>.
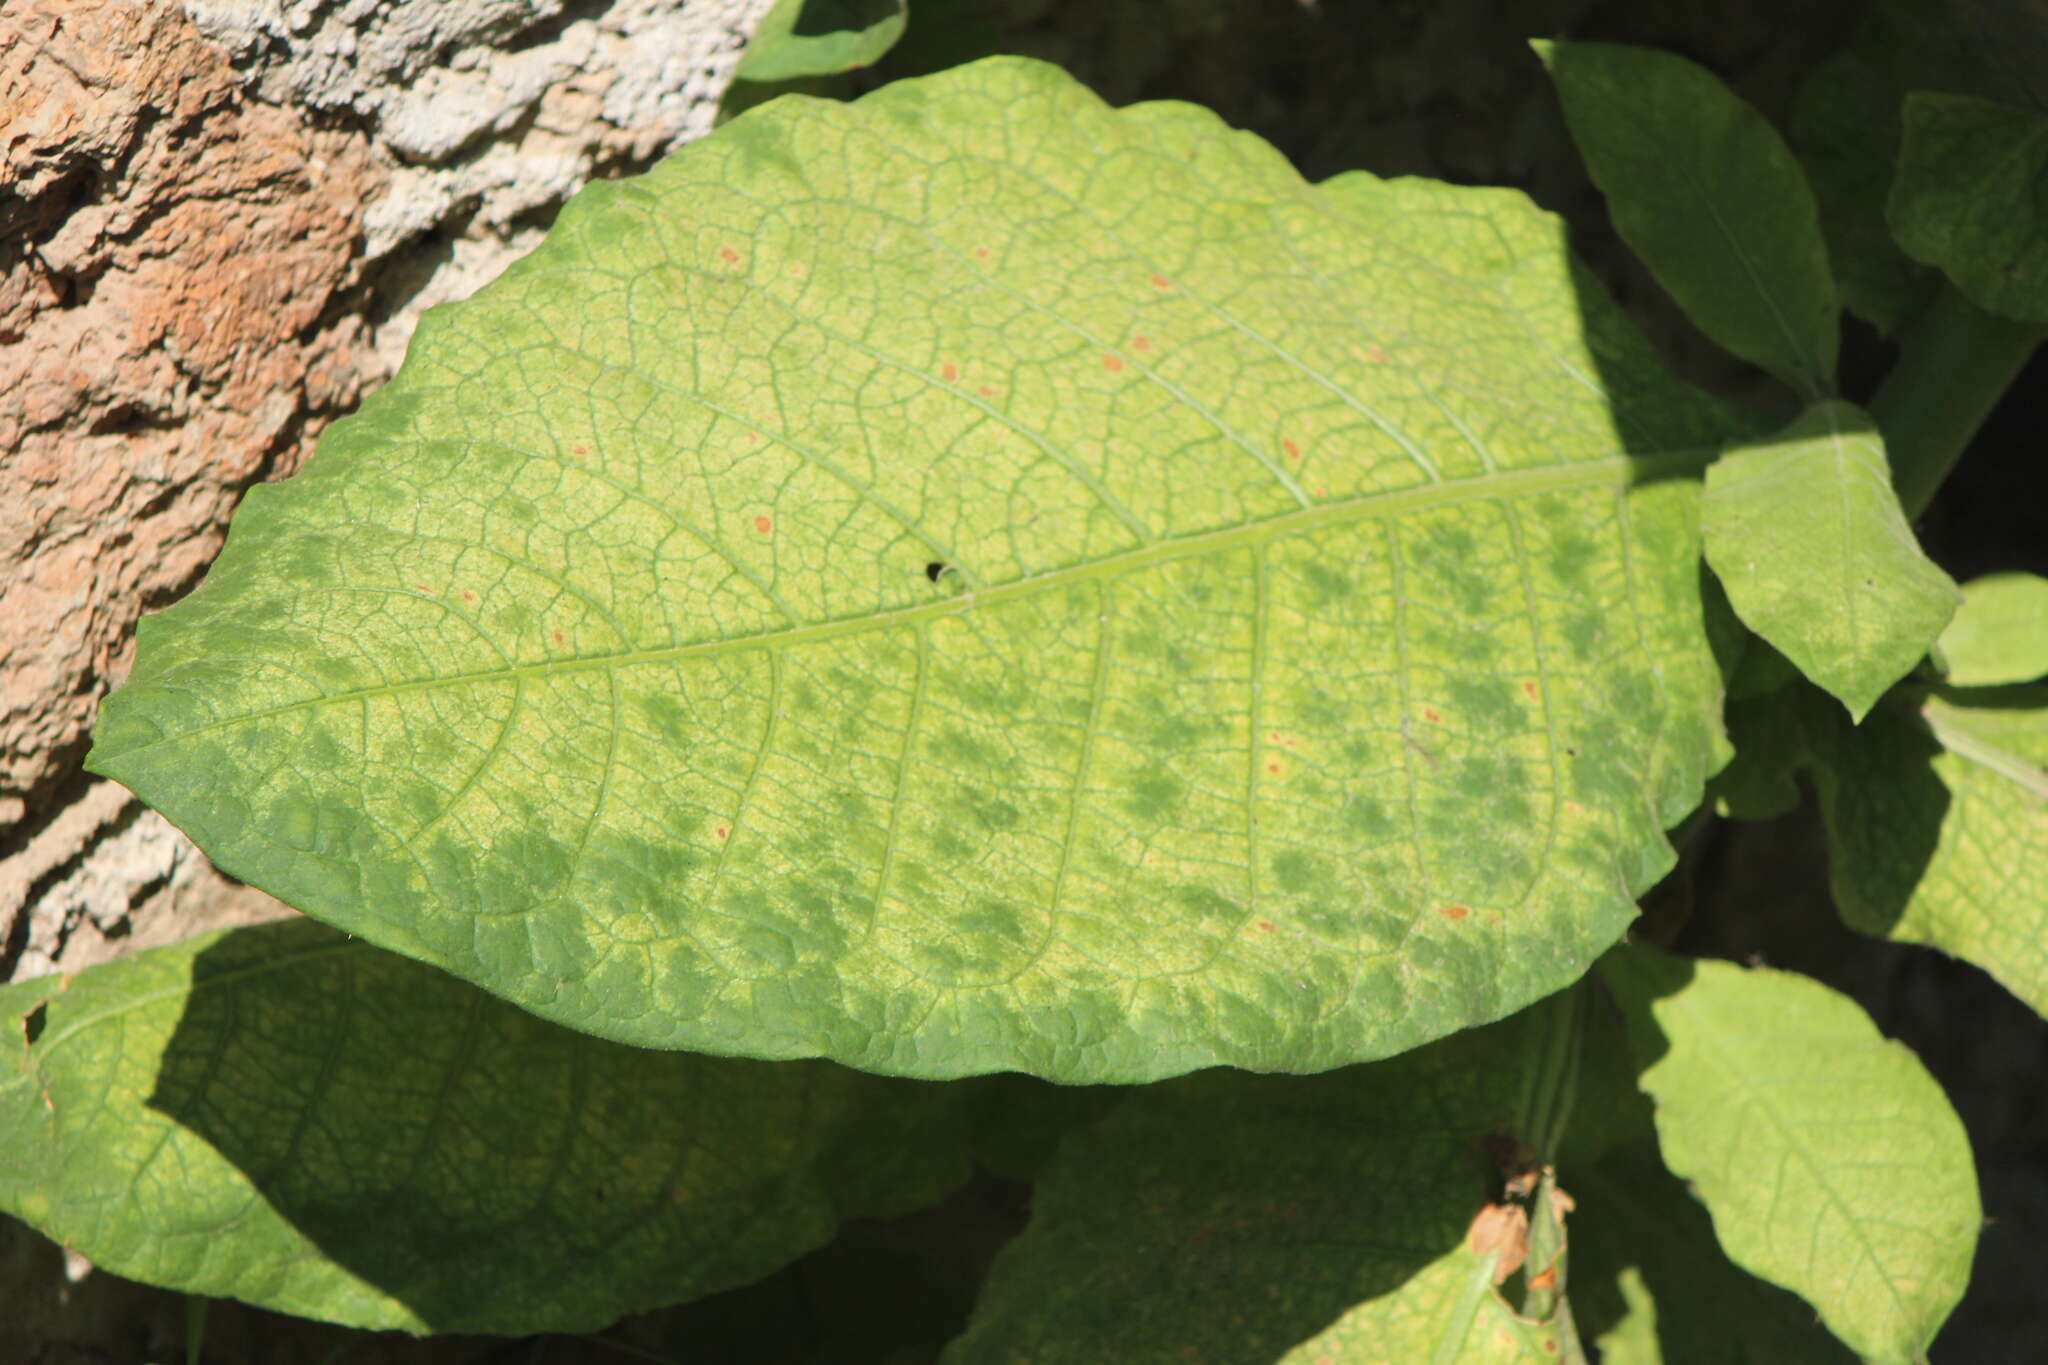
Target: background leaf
<point x="973" y="580"/>
<point x="1968" y="197"/>
<point x="1704" y="190"/>
<point x="1845" y="126"/>
<point x="1937" y="827"/>
<point x="800" y="38"/>
<point x="1829" y="1159"/>
<point x="1805" y="532"/>
<point x="2000" y="632"/>
<point x="308" y="1124"/>
<point x="1255" y="1219"/>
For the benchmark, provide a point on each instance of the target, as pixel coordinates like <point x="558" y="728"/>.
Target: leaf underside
<point x="1830" y="1160"/>
<point x="305" y="1123"/>
<point x="975" y="580"/>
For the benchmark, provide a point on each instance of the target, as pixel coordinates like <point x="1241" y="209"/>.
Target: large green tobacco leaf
<point x="2000" y="632"/>
<point x="1255" y="1219"/>
<point x="1805" y="532"/>
<point x="1968" y="197"/>
<point x="975" y="580"/>
<point x="1829" y="1159"/>
<point x="1701" y="187"/>
<point x="310" y="1124"/>
<point x="1937" y="821"/>
<point x="1652" y="1286"/>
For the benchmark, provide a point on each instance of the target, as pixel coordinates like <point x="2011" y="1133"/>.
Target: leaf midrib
<point x="1449" y="493"/>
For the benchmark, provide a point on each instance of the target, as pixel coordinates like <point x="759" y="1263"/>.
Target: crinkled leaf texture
<point x="1829" y="1159"/>
<point x="1806" y="533"/>
<point x="1258" y="1219"/>
<point x="1937" y="821"/>
<point x="976" y="580"/>
<point x="313" y="1125"/>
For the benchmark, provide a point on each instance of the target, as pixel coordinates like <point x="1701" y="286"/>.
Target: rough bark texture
<point x="218" y="227"/>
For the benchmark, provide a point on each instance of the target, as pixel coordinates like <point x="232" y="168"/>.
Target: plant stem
<point x="1549" y="1091"/>
<point x="1955" y="362"/>
<point x="195" y="1327"/>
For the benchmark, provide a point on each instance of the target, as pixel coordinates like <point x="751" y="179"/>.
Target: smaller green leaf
<point x="1704" y="190"/>
<point x="1675" y="1298"/>
<point x="1967" y="198"/>
<point x="1829" y="1159"/>
<point x="1233" y="1217"/>
<point x="1845" y="127"/>
<point x="289" y="1117"/>
<point x="799" y="38"/>
<point x="1805" y="532"/>
<point x="1938" y="827"/>
<point x="2000" y="633"/>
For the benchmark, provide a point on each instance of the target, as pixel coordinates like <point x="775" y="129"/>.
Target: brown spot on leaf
<point x="1502" y="1229"/>
<point x="424" y="588"/>
<point x="764" y="524"/>
<point x="1113" y="363"/>
<point x="986" y="392"/>
<point x="1161" y="282"/>
<point x="1377" y="356"/>
<point x="468" y="596"/>
<point x="949" y="372"/>
<point x="1264" y="926"/>
<point x="728" y="255"/>
<point x="1293" y="451"/>
<point x="1432" y="715"/>
<point x="1545" y="1280"/>
<point x="721" y="833"/>
<point x="1529" y="689"/>
<point x="1141" y="343"/>
<point x="1454" y="913"/>
<point x="558" y="637"/>
<point x="1274" y="767"/>
<point x="981" y="253"/>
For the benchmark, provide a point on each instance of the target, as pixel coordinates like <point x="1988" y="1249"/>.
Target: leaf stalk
<point x="1955" y="362"/>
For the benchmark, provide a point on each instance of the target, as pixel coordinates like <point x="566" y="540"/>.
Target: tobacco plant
<point x="972" y="581"/>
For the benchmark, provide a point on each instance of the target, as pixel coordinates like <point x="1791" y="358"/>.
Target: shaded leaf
<point x="800" y="38"/>
<point x="1770" y="748"/>
<point x="2000" y="632"/>
<point x="1805" y="532"/>
<point x="1937" y="827"/>
<point x="1651" y="1286"/>
<point x="1829" y="1159"/>
<point x="1706" y="192"/>
<point x="308" y="1124"/>
<point x="1257" y="1218"/>
<point x="1315" y="659"/>
<point x="1845" y="126"/>
<point x="1969" y="197"/>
